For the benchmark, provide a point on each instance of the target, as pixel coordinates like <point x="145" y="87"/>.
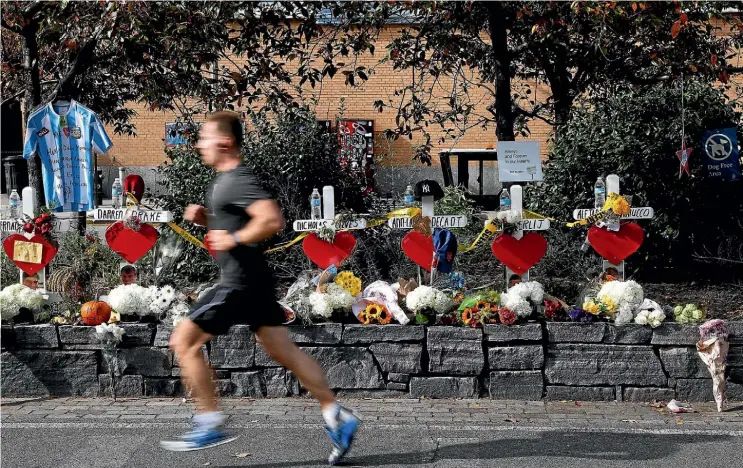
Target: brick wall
<point x="146" y="149"/>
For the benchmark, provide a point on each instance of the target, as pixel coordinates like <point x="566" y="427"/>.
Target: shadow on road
<point x="582" y="445"/>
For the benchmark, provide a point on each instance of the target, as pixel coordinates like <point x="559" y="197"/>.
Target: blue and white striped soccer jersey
<point x="65" y="137"/>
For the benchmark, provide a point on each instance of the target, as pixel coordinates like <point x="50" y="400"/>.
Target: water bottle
<point x="16" y="207"/>
<point x="599" y="191"/>
<point x="316" y="204"/>
<point x="409" y="196"/>
<point x="117" y="193"/>
<point x="505" y="200"/>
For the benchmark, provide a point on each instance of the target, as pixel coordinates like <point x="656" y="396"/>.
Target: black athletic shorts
<point x="223" y="307"/>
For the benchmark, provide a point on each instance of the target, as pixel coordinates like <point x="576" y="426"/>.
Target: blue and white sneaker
<point x="198" y="439"/>
<point x="342" y="436"/>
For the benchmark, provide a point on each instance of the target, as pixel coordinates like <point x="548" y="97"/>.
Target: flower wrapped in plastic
<point x="650" y="313"/>
<point x="385" y="295"/>
<point x="162" y="299"/>
<point x="713" y="349"/>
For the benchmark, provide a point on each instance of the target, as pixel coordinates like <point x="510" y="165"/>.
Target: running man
<point x="241" y="215"/>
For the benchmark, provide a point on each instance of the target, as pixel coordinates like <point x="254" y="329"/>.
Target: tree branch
<point x="532" y="114"/>
<point x="6" y="25"/>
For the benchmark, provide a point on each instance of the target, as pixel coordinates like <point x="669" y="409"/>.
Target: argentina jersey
<point x="65" y="136"/>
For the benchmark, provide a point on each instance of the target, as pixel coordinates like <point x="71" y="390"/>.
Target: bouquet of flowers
<point x="650" y="313"/>
<point x="132" y="299"/>
<point x="348" y="281"/>
<point x="619" y="300"/>
<point x="555" y="310"/>
<point x="162" y="298"/>
<point x="378" y="303"/>
<point x="691" y="313"/>
<point x="580" y="315"/>
<point x="43" y="224"/>
<point x="425" y="302"/>
<point x="521" y="298"/>
<point x="17" y="296"/>
<point x="334" y="298"/>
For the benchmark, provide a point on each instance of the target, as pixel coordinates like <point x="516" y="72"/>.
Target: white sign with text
<point x="440" y="221"/>
<point x="302" y="225"/>
<point x="519" y="161"/>
<point x="145" y="216"/>
<point x="642" y="212"/>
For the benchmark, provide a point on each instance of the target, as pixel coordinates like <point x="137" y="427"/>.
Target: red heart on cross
<point x="519" y="254"/>
<point x="48" y="251"/>
<point x="131" y="245"/>
<point x="616" y="246"/>
<point x="419" y="249"/>
<point x="324" y="254"/>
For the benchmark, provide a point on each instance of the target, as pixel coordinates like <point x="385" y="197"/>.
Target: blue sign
<point x="721" y="156"/>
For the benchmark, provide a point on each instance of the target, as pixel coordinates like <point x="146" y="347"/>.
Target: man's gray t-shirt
<point x="229" y="195"/>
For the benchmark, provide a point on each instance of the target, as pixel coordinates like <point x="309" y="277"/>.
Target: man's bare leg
<point x="340" y="422"/>
<point x="186" y="342"/>
<point x="276" y="342"/>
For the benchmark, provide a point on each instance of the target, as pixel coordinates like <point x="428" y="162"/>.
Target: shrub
<point x="636" y="134"/>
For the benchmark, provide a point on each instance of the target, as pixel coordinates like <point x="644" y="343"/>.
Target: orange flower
<point x="467" y="316"/>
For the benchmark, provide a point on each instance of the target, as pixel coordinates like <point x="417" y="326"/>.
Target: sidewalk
<point x="410" y="413"/>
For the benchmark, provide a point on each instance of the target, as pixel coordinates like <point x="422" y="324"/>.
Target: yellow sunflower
<point x="348" y="281"/>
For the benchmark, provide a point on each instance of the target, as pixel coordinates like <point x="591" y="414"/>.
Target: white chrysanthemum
<point x="338" y="298"/>
<point x="426" y="297"/>
<point x="131" y="299"/>
<point x="628" y="296"/>
<point x="517" y="304"/>
<point x="642" y="318"/>
<point x="18" y="296"/>
<point x="320" y="305"/>
<point x="168" y="291"/>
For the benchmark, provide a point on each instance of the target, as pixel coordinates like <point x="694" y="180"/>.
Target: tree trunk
<point x="504" y="116"/>
<point x="32" y="100"/>
<point x="563" y="106"/>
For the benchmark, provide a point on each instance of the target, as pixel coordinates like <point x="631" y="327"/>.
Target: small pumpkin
<point x="95" y="312"/>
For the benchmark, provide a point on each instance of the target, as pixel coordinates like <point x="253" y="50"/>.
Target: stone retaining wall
<point x="533" y="361"/>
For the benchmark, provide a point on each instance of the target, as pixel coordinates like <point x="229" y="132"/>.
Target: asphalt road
<point x="105" y="445"/>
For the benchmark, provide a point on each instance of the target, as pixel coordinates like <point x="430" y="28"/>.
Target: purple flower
<point x="576" y="314"/>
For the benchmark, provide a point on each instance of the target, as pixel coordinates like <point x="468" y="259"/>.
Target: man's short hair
<point x="26" y="275"/>
<point x="228" y="124"/>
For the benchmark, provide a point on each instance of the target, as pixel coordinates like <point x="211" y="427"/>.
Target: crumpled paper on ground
<point x="714" y="352"/>
<point x="380" y="292"/>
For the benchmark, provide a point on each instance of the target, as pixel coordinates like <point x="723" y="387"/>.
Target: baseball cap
<point x="124" y="265"/>
<point x="444" y="249"/>
<point x="428" y="188"/>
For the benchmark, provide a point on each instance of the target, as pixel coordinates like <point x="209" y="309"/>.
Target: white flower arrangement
<point x="17" y="296"/>
<point x="650" y="313"/>
<point x="517" y="298"/>
<point x="426" y="297"/>
<point x="335" y="298"/>
<point x="109" y="333"/>
<point x="131" y="299"/>
<point x="162" y="299"/>
<point x="627" y="296"/>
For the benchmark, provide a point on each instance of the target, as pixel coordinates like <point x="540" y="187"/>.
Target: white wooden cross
<point x="329" y="219"/>
<point x="441" y="221"/>
<point x="538" y="224"/>
<point x="643" y="212"/>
